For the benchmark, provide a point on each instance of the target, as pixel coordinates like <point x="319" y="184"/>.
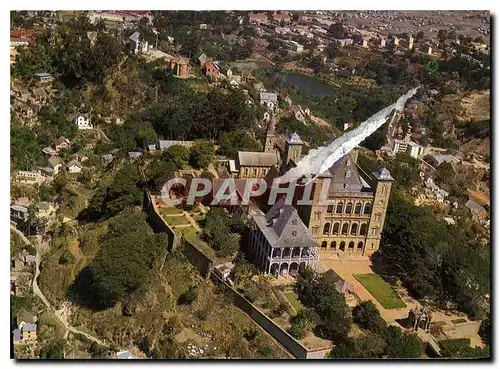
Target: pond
<point x="314" y="86"/>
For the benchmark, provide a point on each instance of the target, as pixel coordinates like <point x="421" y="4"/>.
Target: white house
<point x="83" y="122"/>
<point x="55" y="162"/>
<point x="269" y="100"/>
<point x="409" y="147"/>
<point x="136" y="45"/>
<point x="74" y="167"/>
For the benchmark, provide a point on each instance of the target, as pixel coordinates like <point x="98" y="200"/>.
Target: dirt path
<point x="41" y="248"/>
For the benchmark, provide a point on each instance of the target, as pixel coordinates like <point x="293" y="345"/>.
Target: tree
<point x="402" y="345"/>
<point x="367" y="316"/>
<point x="319" y="294"/>
<point x="178" y="155"/>
<point x="54" y="349"/>
<point x="332" y="50"/>
<point x="442" y="35"/>
<point x="368" y="346"/>
<point x="303" y="322"/>
<point x="128" y="253"/>
<point x="202" y="154"/>
<point x="218" y="233"/>
<point x="316" y="63"/>
<point x="232" y="142"/>
<point x="337" y="30"/>
<point x="24" y="148"/>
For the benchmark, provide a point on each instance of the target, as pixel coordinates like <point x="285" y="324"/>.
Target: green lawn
<point x="382" y="291"/>
<point x="177" y="220"/>
<point x="294" y="300"/>
<point x="168" y="211"/>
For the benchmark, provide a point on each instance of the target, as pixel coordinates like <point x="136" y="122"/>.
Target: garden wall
<point x="293" y="346"/>
<point x="158" y="224"/>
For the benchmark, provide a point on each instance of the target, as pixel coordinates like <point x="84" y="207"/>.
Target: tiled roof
<point x="282" y="227"/>
<point x="257" y="159"/>
<point x="294" y="138"/>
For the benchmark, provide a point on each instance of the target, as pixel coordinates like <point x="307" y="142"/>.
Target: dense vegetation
<point x="432" y="259"/>
<point x="380" y="340"/>
<point x="128" y="253"/>
<point x="320" y="295"/>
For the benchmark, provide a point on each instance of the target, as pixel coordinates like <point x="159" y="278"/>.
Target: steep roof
<point x="257" y="159"/>
<point x="282" y="227"/>
<point x="29" y="327"/>
<point x="135" y="36"/>
<point x="344" y="175"/>
<point x="294" y="138"/>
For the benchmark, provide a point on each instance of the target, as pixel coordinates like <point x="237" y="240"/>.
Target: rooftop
<point x="294" y="138"/>
<point x="257" y="159"/>
<point x="282" y="227"/>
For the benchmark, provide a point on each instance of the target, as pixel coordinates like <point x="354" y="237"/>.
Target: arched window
<point x="324" y="244"/>
<point x="344" y="228"/>
<point x="329" y="209"/>
<point x="360" y="245"/>
<point x="340" y="206"/>
<point x="351" y="244"/>
<point x="368" y="209"/>
<point x="333" y="245"/>
<point x="342" y="246"/>
<point x="336" y="228"/>
<point x="348" y="208"/>
<point x="326" y="228"/>
<point x="357" y="209"/>
<point x="354" y="229"/>
<point x="363" y="229"/>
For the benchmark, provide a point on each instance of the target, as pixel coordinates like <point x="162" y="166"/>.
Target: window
<point x="357" y="210"/>
<point x="374" y="231"/>
<point x="336" y="228"/>
<point x="315" y="231"/>
<point x="383" y="189"/>
<point x="354" y="229"/>
<point x="255" y="172"/>
<point x="326" y="228"/>
<point x="344" y="228"/>
<point x="348" y="208"/>
<point x="351" y="244"/>
<point x="324" y="244"/>
<point x="317" y="215"/>
<point x="368" y="209"/>
<point x="294" y="233"/>
<point x="360" y="245"/>
<point x="372" y="246"/>
<point x="333" y="245"/>
<point x="342" y="246"/>
<point x="329" y="209"/>
<point x="363" y="229"/>
<point x="377" y="217"/>
<point x="340" y="206"/>
<point x="294" y="222"/>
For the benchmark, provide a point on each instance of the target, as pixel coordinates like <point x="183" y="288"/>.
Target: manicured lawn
<point x="177" y="220"/>
<point x="382" y="291"/>
<point x="294" y="300"/>
<point x="168" y="211"/>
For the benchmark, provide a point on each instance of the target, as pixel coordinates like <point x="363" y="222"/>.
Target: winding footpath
<point x="38" y="292"/>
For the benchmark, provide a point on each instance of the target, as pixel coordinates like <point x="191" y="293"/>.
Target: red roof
<point x="257" y="16"/>
<point x="22" y="33"/>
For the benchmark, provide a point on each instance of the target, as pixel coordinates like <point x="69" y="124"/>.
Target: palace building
<point x="352" y="219"/>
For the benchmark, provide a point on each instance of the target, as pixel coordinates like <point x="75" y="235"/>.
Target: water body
<point x="314" y="86"/>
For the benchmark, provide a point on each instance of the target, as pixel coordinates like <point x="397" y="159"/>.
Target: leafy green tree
<point x="303" y="322"/>
<point x="128" y="253"/>
<point x="402" y="345"/>
<point x="202" y="154"/>
<point x="54" y="349"/>
<point x="319" y="294"/>
<point x="367" y="316"/>
<point x="234" y="141"/>
<point x="368" y="346"/>
<point x="24" y="148"/>
<point x="178" y="155"/>
<point x="337" y="30"/>
<point x="218" y="233"/>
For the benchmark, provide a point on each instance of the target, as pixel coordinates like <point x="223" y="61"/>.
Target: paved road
<point x="40" y="248"/>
